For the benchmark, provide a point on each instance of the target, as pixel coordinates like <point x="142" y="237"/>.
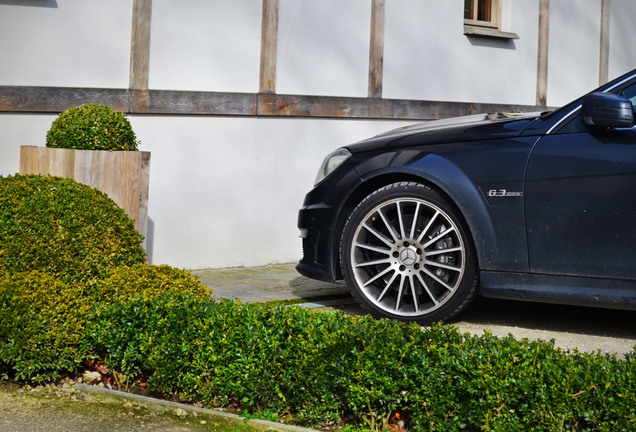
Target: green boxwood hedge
<point x="143" y="281"/>
<point x="64" y="228"/>
<point x="41" y="326"/>
<point x="92" y="127"/>
<point x="326" y="368"/>
<point x="43" y="319"/>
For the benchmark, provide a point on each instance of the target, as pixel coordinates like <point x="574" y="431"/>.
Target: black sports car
<point x="538" y="207"/>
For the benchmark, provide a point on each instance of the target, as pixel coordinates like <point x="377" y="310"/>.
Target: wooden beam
<point x="15" y="99"/>
<point x="269" y="44"/>
<point x="372" y="108"/>
<point x="376" y="48"/>
<point x="57" y="99"/>
<point x="605" y="35"/>
<point x="542" y="52"/>
<point x="140" y="44"/>
<point x="193" y="103"/>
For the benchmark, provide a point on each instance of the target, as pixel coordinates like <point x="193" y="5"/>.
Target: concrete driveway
<point x="571" y="327"/>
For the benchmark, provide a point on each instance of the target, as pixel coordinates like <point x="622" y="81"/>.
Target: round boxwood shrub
<point x="92" y="127"/>
<point x="63" y="227"/>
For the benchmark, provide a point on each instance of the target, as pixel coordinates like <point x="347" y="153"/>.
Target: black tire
<point x="406" y="255"/>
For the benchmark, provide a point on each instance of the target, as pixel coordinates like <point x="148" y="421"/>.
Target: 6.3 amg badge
<point x="503" y="193"/>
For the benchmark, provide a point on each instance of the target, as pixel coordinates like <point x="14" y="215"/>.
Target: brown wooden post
<point x="269" y="43"/>
<point x="605" y="35"/>
<point x="376" y="49"/>
<point x="140" y="44"/>
<point x="542" y="52"/>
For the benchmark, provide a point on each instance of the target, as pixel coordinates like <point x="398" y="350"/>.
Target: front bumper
<point x="318" y="261"/>
<point x="319" y="223"/>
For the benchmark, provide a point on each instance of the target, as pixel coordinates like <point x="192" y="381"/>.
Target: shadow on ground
<point x="551" y="317"/>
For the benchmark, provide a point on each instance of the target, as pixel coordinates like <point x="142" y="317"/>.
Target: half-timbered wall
<point x="239" y="100"/>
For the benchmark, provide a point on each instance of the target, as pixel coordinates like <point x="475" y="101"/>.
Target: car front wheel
<point x="406" y="255"/>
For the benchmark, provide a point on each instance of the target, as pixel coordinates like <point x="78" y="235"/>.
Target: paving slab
<point x="276" y="282"/>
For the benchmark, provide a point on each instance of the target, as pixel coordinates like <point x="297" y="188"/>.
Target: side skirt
<point x="578" y="291"/>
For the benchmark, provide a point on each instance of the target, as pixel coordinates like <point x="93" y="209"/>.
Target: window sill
<point x="471" y="30"/>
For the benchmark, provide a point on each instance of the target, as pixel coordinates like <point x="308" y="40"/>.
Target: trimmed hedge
<point x="92" y="127"/>
<point x="42" y="319"/>
<point x="325" y="368"/>
<point x="65" y="228"/>
<point x="146" y="282"/>
<point x="41" y="326"/>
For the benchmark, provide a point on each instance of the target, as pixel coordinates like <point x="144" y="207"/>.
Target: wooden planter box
<point x="122" y="175"/>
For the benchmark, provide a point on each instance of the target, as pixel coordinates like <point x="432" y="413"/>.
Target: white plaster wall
<point x="17" y="130"/>
<point x="323" y="47"/>
<point x="573" y="58"/>
<point x="428" y="57"/>
<point x="211" y="45"/>
<point x="622" y="55"/>
<point x="226" y="191"/>
<point x="65" y="43"/>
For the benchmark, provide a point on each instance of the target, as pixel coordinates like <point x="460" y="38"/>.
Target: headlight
<point x="331" y="162"/>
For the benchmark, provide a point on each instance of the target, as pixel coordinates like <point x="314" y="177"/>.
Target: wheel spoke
<point x="428" y="226"/>
<point x="438" y="280"/>
<point x="444" y="266"/>
<point x="379" y="235"/>
<point x="378" y="276"/>
<point x="427" y="289"/>
<point x="415" y="217"/>
<point x="398" y="300"/>
<point x="372" y="263"/>
<point x="442" y="251"/>
<point x="400" y="219"/>
<point x="443" y="234"/>
<point x="389" y="227"/>
<point x="373" y="248"/>
<point x="416" y="300"/>
<point x="386" y="287"/>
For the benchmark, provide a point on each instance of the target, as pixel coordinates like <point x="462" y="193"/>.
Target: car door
<point x="580" y="203"/>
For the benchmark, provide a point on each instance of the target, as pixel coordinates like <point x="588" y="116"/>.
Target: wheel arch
<point x="448" y="180"/>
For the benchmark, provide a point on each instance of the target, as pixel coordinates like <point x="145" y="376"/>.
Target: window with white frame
<point x="483" y="18"/>
<point x="481" y="12"/>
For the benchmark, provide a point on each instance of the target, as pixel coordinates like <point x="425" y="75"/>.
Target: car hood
<point x="457" y="129"/>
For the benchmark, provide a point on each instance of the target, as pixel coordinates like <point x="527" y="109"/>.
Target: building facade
<point x="239" y="100"/>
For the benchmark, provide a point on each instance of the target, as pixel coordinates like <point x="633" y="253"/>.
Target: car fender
<point x="492" y="250"/>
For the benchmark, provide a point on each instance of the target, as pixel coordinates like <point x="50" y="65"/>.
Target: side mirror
<point x="607" y="110"/>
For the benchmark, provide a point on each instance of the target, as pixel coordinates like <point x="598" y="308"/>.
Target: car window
<point x="629" y="93"/>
